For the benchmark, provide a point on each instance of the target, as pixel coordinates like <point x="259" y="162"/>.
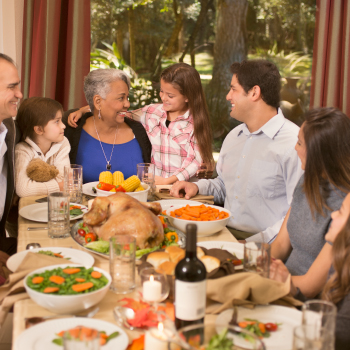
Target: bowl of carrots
<point x="65" y="289"/>
<point x="209" y="218"/>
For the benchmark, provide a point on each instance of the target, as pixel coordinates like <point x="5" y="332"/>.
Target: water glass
<point x="122" y="263"/>
<point x="321" y="314"/>
<point x="309" y="337"/>
<point x="257" y="258"/>
<point x="146" y="174"/>
<point x="83" y="342"/>
<point x="73" y="182"/>
<point x="58" y="215"/>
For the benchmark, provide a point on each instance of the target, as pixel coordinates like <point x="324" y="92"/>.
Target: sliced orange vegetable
<point x="56" y="279"/>
<point x="138" y="343"/>
<point x="58" y="255"/>
<point x="262" y="328"/>
<point x="80" y="280"/>
<point x="81" y="287"/>
<point x="51" y="289"/>
<point x="96" y="274"/>
<point x="37" y="279"/>
<point x="71" y="271"/>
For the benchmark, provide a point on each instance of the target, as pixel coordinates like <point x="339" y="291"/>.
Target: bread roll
<point x="200" y="252"/>
<point x="176" y="253"/>
<point x="167" y="267"/>
<point x="158" y="258"/>
<point x="210" y="262"/>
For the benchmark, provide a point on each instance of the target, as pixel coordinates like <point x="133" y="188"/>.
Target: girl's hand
<point x="61" y="185"/>
<point x="165" y="181"/>
<point x="280" y="273"/>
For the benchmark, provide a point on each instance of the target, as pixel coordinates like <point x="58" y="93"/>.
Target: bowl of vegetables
<point x="67" y="289"/>
<point x="217" y="337"/>
<point x="208" y="218"/>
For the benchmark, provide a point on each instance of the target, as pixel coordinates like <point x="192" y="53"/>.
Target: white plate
<point x="75" y="257"/>
<point x="39" y="212"/>
<point x="40" y="337"/>
<point x="231" y="247"/>
<point x="169" y="203"/>
<point x="87" y="188"/>
<point x="282" y="338"/>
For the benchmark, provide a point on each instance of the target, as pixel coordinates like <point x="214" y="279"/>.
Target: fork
<point x="31" y="321"/>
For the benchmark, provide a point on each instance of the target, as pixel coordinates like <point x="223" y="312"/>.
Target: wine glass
<point x="154" y="285"/>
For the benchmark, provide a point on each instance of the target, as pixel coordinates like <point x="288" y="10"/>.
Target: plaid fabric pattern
<point x="174" y="149"/>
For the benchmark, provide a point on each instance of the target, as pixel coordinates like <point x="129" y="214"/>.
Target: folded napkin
<point x="13" y="289"/>
<point x="247" y="289"/>
<point x="198" y="198"/>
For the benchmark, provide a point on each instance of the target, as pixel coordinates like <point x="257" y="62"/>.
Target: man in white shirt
<point x="258" y="166"/>
<point x="9" y="98"/>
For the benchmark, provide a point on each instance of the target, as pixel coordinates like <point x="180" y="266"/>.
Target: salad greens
<point x="220" y="342"/>
<point x="67" y="279"/>
<point x="75" y="212"/>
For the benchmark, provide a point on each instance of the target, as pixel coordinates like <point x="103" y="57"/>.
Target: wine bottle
<point x="190" y="284"/>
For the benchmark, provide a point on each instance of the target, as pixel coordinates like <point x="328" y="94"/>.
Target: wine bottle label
<point x="190" y="298"/>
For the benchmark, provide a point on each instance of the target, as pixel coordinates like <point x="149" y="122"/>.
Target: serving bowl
<point x="141" y="195"/>
<point x="67" y="304"/>
<point x="204" y="228"/>
<point x="198" y="337"/>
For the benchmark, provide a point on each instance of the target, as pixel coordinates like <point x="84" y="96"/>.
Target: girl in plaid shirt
<point x="179" y="128"/>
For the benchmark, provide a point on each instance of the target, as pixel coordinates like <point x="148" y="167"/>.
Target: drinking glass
<point x="146" y="174"/>
<point x="85" y="341"/>
<point x="155" y="286"/>
<point x="58" y="215"/>
<point x="122" y="263"/>
<point x="309" y="337"/>
<point x="321" y="314"/>
<point x="73" y="182"/>
<point x="257" y="258"/>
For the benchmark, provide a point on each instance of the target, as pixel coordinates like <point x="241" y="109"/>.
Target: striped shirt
<point x="174" y="149"/>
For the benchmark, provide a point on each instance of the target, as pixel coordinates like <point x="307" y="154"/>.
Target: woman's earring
<point x="99" y="114"/>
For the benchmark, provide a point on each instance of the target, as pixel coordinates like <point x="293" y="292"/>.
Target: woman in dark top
<point x="105" y="139"/>
<point x="324" y="150"/>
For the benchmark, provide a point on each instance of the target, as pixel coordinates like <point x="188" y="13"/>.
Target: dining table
<point x="28" y="308"/>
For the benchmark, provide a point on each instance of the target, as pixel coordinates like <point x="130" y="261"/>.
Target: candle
<point x="152" y="290"/>
<point x="157" y="339"/>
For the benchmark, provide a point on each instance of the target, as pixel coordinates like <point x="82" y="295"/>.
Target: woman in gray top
<point x="324" y="150"/>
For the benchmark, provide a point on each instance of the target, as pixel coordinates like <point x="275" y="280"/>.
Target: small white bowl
<point x="141" y="195"/>
<point x="67" y="304"/>
<point x="204" y="228"/>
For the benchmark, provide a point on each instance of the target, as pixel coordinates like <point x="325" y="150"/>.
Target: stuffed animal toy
<point x="40" y="171"/>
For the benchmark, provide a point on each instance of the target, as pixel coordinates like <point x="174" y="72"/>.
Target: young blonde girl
<point x="40" y="122"/>
<point x="179" y="128"/>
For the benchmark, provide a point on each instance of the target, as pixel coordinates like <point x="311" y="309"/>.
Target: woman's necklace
<point x="108" y="166"/>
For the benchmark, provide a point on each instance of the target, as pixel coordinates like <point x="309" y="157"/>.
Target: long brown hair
<point x="338" y="286"/>
<point x="186" y="80"/>
<point x="36" y="111"/>
<point x="327" y="139"/>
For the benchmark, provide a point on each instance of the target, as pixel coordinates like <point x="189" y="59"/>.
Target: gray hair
<point x="98" y="82"/>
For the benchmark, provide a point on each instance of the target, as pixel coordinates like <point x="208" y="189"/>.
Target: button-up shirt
<point x="3" y="168"/>
<point x="257" y="174"/>
<point x="174" y="148"/>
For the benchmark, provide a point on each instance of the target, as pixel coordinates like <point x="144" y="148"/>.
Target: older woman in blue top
<point x="105" y="139"/>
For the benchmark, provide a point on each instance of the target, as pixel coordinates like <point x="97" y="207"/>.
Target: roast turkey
<point x="121" y="214"/>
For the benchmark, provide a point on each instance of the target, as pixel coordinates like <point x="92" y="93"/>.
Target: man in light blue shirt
<point x="258" y="166"/>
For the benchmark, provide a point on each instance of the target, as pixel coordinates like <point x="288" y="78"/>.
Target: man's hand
<point x="75" y="116"/>
<point x="242" y="241"/>
<point x="190" y="188"/>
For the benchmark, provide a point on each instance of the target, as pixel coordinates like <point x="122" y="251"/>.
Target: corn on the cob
<point x="106" y="177"/>
<point x="118" y="178"/>
<point x="140" y="188"/>
<point x="113" y="190"/>
<point x="131" y="183"/>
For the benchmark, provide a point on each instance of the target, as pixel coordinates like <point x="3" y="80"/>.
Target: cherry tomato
<point x="271" y="327"/>
<point x="84" y="225"/>
<point x="90" y="237"/>
<point x="81" y="232"/>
